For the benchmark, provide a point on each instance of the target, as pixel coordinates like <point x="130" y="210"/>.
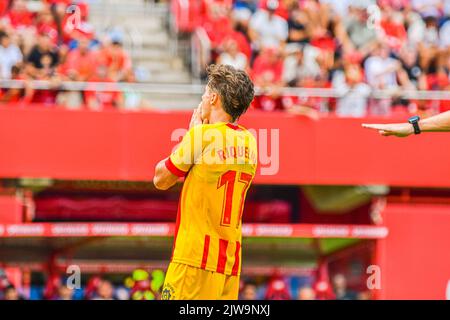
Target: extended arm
<point x="437" y="123"/>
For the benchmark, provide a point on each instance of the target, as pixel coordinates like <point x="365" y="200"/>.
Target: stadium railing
<point x="200" y="52"/>
<point x="199" y="88"/>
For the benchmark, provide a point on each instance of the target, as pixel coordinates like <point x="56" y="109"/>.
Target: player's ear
<point x="214" y="99"/>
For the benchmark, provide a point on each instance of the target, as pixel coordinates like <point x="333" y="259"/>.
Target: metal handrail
<point x="198" y="89"/>
<point x="200" y="52"/>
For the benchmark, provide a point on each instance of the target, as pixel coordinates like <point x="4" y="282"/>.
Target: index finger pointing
<point x="372" y="126"/>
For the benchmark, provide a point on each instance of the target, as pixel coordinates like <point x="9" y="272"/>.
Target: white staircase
<point x="143" y="26"/>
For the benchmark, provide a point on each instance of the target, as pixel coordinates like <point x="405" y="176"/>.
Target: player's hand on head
<point x="393" y="129"/>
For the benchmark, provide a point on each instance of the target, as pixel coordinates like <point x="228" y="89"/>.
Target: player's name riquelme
<point x="213" y="147"/>
<point x="226" y="155"/>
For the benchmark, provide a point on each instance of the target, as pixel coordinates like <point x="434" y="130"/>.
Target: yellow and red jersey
<point x="218" y="162"/>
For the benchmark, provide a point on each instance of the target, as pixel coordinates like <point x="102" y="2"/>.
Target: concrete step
<point x="156" y="38"/>
<point x="144" y="30"/>
<point x="152" y="69"/>
<point x="168" y="65"/>
<point x="138" y="20"/>
<point x="149" y="34"/>
<point x="151" y="40"/>
<point x="151" y="53"/>
<point x="177" y="102"/>
<point x="123" y="8"/>
<point x="102" y="3"/>
<point x="170" y="77"/>
<point x="108" y="4"/>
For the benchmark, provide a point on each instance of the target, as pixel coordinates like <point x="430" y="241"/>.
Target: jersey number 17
<point x="228" y="181"/>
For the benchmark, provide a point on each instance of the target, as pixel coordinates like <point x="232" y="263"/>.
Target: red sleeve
<point x="171" y="167"/>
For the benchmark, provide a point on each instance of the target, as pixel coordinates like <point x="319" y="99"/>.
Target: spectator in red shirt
<point x="277" y="289"/>
<point x="241" y="41"/>
<point x="217" y="22"/>
<point x="21" y="22"/>
<point x="268" y="68"/>
<point x="19" y="16"/>
<point x="267" y="74"/>
<point x="45" y="23"/>
<point x="394" y="30"/>
<point x="116" y="59"/>
<point x="81" y="62"/>
<point x="231" y="55"/>
<point x="4" y="4"/>
<point x="103" y="98"/>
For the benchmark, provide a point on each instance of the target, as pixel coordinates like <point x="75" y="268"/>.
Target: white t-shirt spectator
<point x="308" y="67"/>
<point x="380" y="72"/>
<point x="352" y="103"/>
<point x="239" y="61"/>
<point x="416" y="29"/>
<point x="9" y="56"/>
<point x="444" y="35"/>
<point x="272" y="30"/>
<point x="431" y="37"/>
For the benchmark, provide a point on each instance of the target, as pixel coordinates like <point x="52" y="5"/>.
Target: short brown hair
<point x="234" y="87"/>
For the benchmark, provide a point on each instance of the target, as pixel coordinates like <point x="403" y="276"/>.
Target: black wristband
<point x="415" y="123"/>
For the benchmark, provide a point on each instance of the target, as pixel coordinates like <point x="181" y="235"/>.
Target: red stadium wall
<point x="415" y="257"/>
<point x="11" y="209"/>
<point x="64" y="144"/>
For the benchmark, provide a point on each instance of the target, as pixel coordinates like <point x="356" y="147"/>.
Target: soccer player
<point x="218" y="159"/>
<point x="437" y="123"/>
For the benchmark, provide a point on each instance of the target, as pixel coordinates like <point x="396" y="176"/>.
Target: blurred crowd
<point x="277" y="287"/>
<point x="53" y="40"/>
<point x="353" y="47"/>
<point x="139" y="285"/>
<point x="143" y="285"/>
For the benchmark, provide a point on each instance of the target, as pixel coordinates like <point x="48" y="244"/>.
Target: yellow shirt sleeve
<point x="185" y="155"/>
